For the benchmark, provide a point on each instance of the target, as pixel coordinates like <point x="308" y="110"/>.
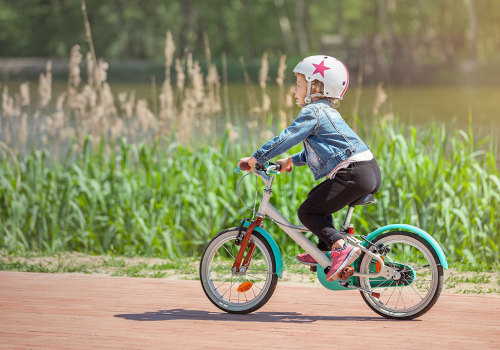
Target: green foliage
<point x="423" y="33"/>
<point x="168" y="200"/>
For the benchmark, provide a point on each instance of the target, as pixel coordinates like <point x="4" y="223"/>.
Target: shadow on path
<point x="284" y="317"/>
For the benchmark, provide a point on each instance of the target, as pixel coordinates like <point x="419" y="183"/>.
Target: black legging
<point x="349" y="184"/>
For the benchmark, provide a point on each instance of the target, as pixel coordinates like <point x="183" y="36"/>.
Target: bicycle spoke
<point x="225" y="263"/>
<point x="382" y="294"/>
<point x="255" y="285"/>
<point x="256" y="256"/>
<point x="223" y="281"/>
<point x="410" y="297"/>
<point x="228" y="290"/>
<point x="401" y="295"/>
<point x="397" y="300"/>
<point x="384" y="281"/>
<point x="390" y="297"/>
<point x="264" y="270"/>
<point x="254" y="278"/>
<point x="420" y="267"/>
<point x="416" y="292"/>
<point x="232" y="256"/>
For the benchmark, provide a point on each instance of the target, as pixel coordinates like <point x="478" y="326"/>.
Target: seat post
<point x="347" y="220"/>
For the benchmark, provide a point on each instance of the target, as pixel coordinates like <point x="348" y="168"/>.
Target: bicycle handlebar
<point x="268" y="168"/>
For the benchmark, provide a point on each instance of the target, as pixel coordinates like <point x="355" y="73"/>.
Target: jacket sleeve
<point x="305" y="124"/>
<point x="299" y="159"/>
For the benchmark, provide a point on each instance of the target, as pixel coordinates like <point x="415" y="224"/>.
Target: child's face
<point x="300" y="89"/>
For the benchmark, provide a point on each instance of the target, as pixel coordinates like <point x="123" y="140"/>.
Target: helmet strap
<point x="308" y="99"/>
<point x="311" y="97"/>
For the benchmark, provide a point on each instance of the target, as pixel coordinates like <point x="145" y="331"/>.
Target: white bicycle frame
<point x="295" y="232"/>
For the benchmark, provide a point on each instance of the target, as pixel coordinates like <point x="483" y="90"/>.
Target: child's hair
<point x="320" y="87"/>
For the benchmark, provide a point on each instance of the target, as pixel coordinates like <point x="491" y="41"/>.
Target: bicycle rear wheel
<point x="241" y="292"/>
<point x="417" y="278"/>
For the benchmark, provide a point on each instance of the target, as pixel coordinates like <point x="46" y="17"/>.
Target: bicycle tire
<point x="409" y="275"/>
<point x="212" y="264"/>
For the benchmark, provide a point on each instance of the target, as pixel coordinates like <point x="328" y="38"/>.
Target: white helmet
<point x="329" y="70"/>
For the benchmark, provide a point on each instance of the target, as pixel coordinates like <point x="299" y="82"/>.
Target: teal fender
<point x="416" y="230"/>
<point x="274" y="246"/>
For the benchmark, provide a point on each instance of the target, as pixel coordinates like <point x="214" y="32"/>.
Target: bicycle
<point x="399" y="272"/>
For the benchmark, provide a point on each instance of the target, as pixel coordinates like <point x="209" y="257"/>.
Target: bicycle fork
<point x="238" y="266"/>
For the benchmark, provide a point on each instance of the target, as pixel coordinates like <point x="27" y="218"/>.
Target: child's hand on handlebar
<point x="286" y="164"/>
<point x="247" y="163"/>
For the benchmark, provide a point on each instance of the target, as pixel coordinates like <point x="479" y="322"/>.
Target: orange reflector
<point x="245" y="286"/>
<point x="378" y="265"/>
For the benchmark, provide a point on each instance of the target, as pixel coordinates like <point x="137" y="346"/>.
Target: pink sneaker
<point x="342" y="259"/>
<point x="306" y="259"/>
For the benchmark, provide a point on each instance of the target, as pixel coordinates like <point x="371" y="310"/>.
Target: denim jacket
<point x="327" y="139"/>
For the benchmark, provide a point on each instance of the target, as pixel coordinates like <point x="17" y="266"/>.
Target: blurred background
<point x="437" y="60"/>
<point x="396" y="41"/>
<point x="121" y="120"/>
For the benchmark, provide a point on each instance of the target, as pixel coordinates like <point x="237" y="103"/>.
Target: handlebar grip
<point x="244" y="166"/>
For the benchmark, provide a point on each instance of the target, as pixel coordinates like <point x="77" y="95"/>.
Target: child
<point x="331" y="149"/>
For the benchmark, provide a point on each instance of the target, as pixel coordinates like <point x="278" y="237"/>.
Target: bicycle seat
<point x="366" y="199"/>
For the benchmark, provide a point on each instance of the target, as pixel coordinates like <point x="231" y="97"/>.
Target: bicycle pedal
<point x="346" y="273"/>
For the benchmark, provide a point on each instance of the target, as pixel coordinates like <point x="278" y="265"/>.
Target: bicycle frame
<point x="296" y="233"/>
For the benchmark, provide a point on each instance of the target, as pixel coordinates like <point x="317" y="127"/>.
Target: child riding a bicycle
<point x="331" y="149"/>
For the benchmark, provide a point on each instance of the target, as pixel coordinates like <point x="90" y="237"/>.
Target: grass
<point x="456" y="281"/>
<point x="470" y="282"/>
<point x="184" y="268"/>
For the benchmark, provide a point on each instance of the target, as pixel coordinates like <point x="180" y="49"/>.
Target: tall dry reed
<point x="91" y="107"/>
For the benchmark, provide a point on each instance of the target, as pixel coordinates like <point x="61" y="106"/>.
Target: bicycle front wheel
<point x="417" y="278"/>
<point x="237" y="292"/>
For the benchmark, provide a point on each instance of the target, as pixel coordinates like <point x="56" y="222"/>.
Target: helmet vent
<point x="343" y="83"/>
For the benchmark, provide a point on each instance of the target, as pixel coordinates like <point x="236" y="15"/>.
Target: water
<point x="453" y="106"/>
<point x="457" y="107"/>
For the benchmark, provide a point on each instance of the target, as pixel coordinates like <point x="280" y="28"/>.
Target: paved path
<point x="70" y="311"/>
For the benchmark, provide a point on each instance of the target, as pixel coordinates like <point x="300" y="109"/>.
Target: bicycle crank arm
<point x="348" y="285"/>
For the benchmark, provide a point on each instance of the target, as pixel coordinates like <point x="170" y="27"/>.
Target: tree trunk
<point x="248" y="37"/>
<point x="186" y="24"/>
<point x="285" y="28"/>
<point x="301" y="17"/>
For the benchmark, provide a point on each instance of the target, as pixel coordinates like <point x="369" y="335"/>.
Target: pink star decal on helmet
<point x="320" y="68"/>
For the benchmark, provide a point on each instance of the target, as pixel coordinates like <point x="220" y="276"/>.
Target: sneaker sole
<point x="353" y="255"/>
